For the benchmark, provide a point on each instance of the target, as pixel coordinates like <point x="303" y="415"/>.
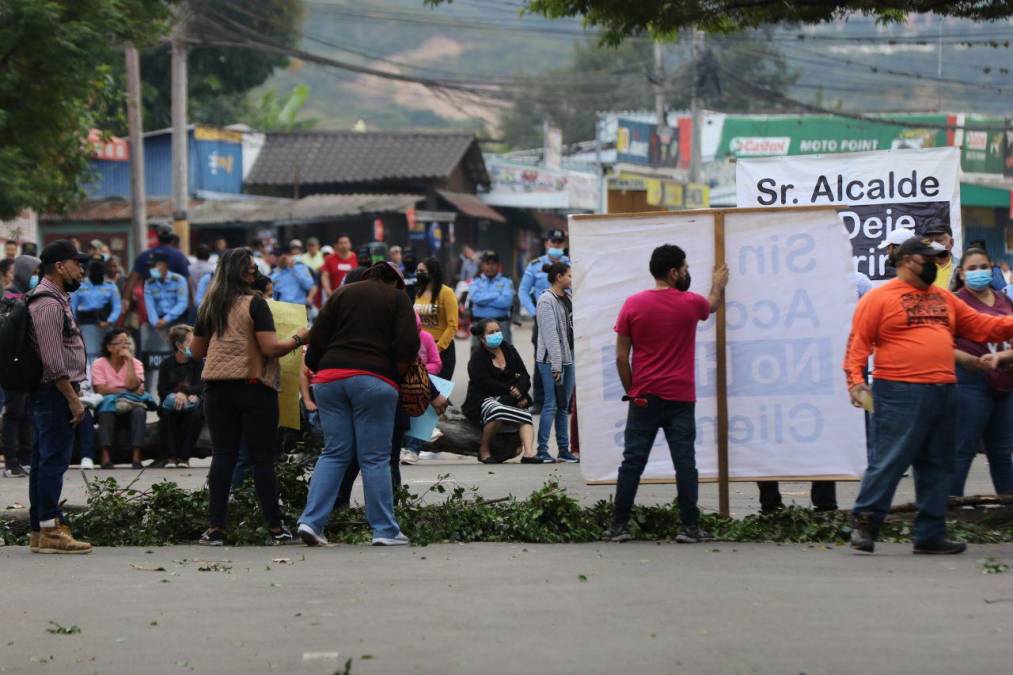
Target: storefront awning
<point x="992" y="197"/>
<point x="470" y="205"/>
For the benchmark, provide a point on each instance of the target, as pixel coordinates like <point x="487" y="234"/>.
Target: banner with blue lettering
<point x="876" y="192"/>
<point x="790" y="299"/>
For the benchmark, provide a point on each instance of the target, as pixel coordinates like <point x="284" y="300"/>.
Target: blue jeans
<point x="986" y="416"/>
<point x="914" y="425"/>
<point x="677" y="419"/>
<point x="555" y="407"/>
<point x="358" y="419"/>
<point x="85" y="435"/>
<point x="54" y="443"/>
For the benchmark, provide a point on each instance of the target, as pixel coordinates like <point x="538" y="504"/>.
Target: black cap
<point x="937" y="227"/>
<point x="283" y="249"/>
<point x="555" y="235"/>
<point x="916" y="246"/>
<point x="164" y="232"/>
<point x="61" y="250"/>
<point x="490" y="256"/>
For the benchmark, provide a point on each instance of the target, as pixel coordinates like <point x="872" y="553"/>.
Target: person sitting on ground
<point x="180" y="416"/>
<point x="498" y="386"/>
<point x="117" y="372"/>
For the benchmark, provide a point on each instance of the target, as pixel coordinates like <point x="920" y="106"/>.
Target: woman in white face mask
<point x="984" y="396"/>
<point x="498" y="398"/>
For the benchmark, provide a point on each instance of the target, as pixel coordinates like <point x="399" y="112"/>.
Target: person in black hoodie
<point x="180" y="388"/>
<point x="498" y="389"/>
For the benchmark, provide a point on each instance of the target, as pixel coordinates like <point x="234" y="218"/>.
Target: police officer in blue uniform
<point x="96" y="306"/>
<point x="492" y="295"/>
<point x="534" y="283"/>
<point x="166" y="296"/>
<point x="293" y="281"/>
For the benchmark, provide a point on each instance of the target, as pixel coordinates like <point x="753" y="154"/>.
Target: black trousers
<point x="109" y="422"/>
<point x="823" y="494"/>
<point x="178" y="431"/>
<point x="18" y="430"/>
<point x="238" y="412"/>
<point x="345" y="491"/>
<point x="449" y="358"/>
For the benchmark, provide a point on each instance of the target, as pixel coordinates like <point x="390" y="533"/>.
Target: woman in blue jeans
<point x="361" y="344"/>
<point x="984" y="397"/>
<point x="554" y="361"/>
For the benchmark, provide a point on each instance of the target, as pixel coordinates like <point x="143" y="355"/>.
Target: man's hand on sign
<point x="720" y="276"/>
<point x="861" y="396"/>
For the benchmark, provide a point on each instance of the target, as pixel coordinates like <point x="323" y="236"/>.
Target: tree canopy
<point x="54" y="81"/>
<point x="619" y="19"/>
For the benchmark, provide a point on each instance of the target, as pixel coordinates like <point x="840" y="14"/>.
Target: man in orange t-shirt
<point x="909" y="325"/>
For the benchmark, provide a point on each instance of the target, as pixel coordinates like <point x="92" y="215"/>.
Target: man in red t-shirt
<point x="659" y="326"/>
<point x="338" y="264"/>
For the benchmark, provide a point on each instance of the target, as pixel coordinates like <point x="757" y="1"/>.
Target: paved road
<point x="498" y="608"/>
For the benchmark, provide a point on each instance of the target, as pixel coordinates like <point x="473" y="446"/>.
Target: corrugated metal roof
<point x="221" y="211"/>
<point x="349" y="157"/>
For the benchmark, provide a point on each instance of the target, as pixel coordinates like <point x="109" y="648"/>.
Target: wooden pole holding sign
<point x="722" y="373"/>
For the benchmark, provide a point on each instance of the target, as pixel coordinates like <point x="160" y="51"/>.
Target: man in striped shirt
<point x="56" y="404"/>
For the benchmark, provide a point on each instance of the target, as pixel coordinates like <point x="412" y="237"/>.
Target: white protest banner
<point x="881" y="191"/>
<point x="789" y="306"/>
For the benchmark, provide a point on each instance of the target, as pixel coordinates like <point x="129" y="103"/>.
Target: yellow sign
<point x="288" y="318"/>
<point x="213" y="134"/>
<point x="671" y="194"/>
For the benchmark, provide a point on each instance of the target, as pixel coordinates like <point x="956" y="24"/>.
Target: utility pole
<point x="138" y="195"/>
<point x="180" y="159"/>
<point x="659" y="88"/>
<point x="695" y="111"/>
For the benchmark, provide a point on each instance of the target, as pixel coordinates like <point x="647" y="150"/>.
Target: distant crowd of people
<point x="382" y="338"/>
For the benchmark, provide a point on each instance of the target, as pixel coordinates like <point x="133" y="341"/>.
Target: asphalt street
<point x="506" y="608"/>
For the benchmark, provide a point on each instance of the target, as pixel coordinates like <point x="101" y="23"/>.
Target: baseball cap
<point x="938" y="228"/>
<point x="555" y="235"/>
<point x="915" y="246"/>
<point x="897" y="237"/>
<point x="283" y="249"/>
<point x="490" y="256"/>
<point x="61" y="250"/>
<point x="295" y="243"/>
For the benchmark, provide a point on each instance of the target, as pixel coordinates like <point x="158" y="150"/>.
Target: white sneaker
<point x="399" y="540"/>
<point x="425" y="454"/>
<point x="309" y="536"/>
<point x="87" y="463"/>
<point x="408" y="457"/>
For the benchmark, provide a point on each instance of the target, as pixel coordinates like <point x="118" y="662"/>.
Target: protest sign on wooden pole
<point x="721" y="373"/>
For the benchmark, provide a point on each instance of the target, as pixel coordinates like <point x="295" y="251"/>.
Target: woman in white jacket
<point x="554" y="360"/>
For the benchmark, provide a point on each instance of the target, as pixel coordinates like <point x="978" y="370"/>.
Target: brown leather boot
<point x="59" y="540"/>
<point x="33" y="542"/>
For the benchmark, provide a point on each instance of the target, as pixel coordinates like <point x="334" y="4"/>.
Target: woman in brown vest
<point x="235" y="334"/>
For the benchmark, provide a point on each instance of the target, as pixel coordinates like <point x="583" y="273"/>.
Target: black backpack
<point x="20" y="365"/>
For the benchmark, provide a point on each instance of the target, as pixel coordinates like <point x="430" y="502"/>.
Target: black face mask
<point x="928" y="273"/>
<point x="422" y="279"/>
<point x="682" y="283"/>
<point x="71" y="286"/>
